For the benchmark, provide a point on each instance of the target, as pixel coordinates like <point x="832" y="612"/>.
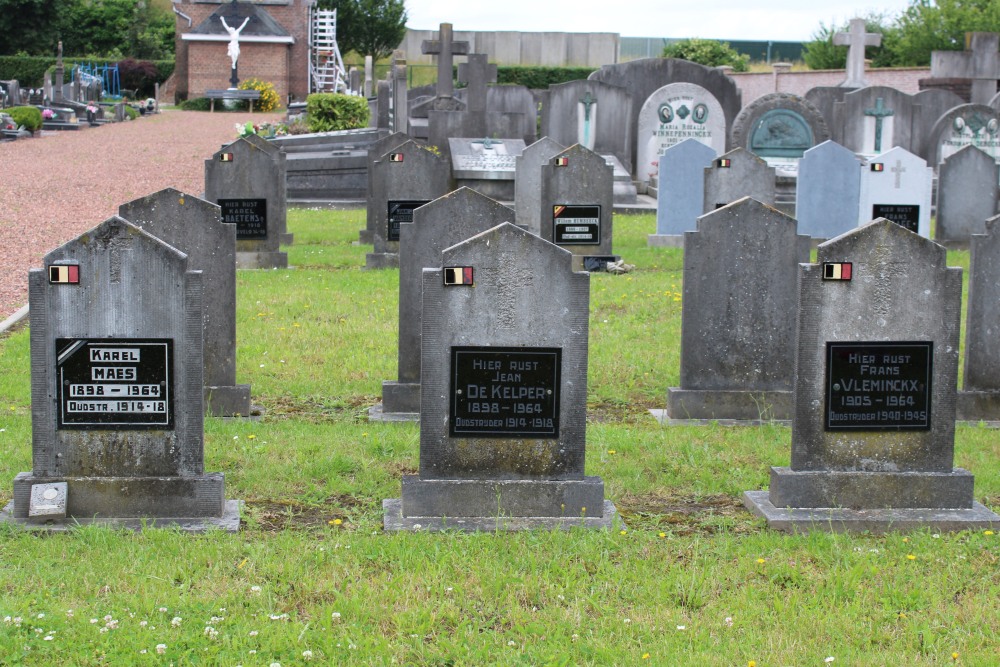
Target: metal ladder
<point x="326" y="67"/>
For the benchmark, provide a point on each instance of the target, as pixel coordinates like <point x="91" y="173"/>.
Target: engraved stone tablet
<point x="400" y="211"/>
<point x="906" y="216"/>
<point x="249" y="216"/>
<point x="576" y="225"/>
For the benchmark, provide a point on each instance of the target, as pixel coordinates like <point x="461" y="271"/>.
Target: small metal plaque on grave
<point x="48" y="501"/>
<point x="504" y="392"/>
<point x="120" y="382"/>
<point x="904" y="215"/>
<point x="249" y="216"/>
<point x="576" y="225"/>
<point x="878" y="386"/>
<point x="400" y="211"/>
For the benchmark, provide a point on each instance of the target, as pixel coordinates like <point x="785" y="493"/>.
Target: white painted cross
<point x="856" y="39"/>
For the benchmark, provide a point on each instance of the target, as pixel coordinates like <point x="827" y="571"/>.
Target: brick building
<point x="274" y="45"/>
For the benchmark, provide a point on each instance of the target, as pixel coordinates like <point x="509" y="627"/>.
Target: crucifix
<point x="856" y="39"/>
<point x="233" y="49"/>
<point x="879" y="112"/>
<point x="115" y="239"/>
<point x="445" y="48"/>
<point x="587" y="101"/>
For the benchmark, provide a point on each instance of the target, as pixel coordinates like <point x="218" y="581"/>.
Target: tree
<point x="28" y="26"/>
<point x="929" y="25"/>
<point x="369" y="27"/>
<point x="708" y="52"/>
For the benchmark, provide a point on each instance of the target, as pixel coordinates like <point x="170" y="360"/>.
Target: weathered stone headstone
<point x="779" y="128"/>
<point x="856" y="39"/>
<point x="405" y="178"/>
<point x="738" y="315"/>
<point x="445" y="47"/>
<point x="965" y="125"/>
<point x="194" y="226"/>
<point x="896" y="185"/>
<point x="980" y="398"/>
<point x="503" y="400"/>
<point x="967" y="195"/>
<point x="577" y="205"/>
<point x="873" y="431"/>
<point x="116" y="391"/>
<point x="399" y="118"/>
<point x="376" y="152"/>
<point x="442" y="223"/>
<point x="594" y="114"/>
<point x="872" y="120"/>
<point x="383" y="114"/>
<point x="735" y="175"/>
<point x="369" y="77"/>
<point x="680" y="195"/>
<point x="980" y="62"/>
<point x="929" y="106"/>
<point x="829" y="189"/>
<point x="676" y="112"/>
<point x="485" y="164"/>
<point x="528" y="182"/>
<point x="246" y="181"/>
<point x="281" y="205"/>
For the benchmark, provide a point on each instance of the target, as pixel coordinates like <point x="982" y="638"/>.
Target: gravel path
<point x="55" y="187"/>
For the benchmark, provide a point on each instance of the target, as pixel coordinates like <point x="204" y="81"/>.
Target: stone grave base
<point x="286" y="239"/>
<point x="400" y="396"/>
<point x="438" y="504"/>
<point x="665" y="241"/>
<point x="261" y="260"/>
<point x="804" y="520"/>
<point x="697" y="404"/>
<point x="377" y="413"/>
<point x="366" y="237"/>
<point x="382" y="260"/>
<point x="977" y="406"/>
<point x="229" y="521"/>
<point x="228" y="401"/>
<point x="871" y="490"/>
<point x="191" y="497"/>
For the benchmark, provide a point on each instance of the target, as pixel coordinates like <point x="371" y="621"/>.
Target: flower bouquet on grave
<point x="48" y="114"/>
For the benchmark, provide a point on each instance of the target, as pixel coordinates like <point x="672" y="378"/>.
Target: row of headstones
<point x="836" y="191"/>
<point x="564" y="195"/>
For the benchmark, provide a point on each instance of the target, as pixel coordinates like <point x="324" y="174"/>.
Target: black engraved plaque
<point x="401" y="210"/>
<point x="878" y="386"/>
<point x="576" y="225"/>
<point x="120" y="382"/>
<point x="505" y="392"/>
<point x="904" y="215"/>
<point x="249" y="216"/>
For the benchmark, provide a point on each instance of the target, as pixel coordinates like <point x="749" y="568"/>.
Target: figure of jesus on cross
<point x="233" y="50"/>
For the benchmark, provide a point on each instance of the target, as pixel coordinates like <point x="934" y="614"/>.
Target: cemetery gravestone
<point x="576" y="207"/>
<point x="247" y="183"/>
<point x="281" y="203"/>
<point x="967" y="195"/>
<point x="873" y="430"/>
<point x="737" y="332"/>
<point x="486" y="165"/>
<point x="735" y="175"/>
<point x="980" y="398"/>
<point x="779" y="128"/>
<point x="442" y="223"/>
<point x="676" y="112"/>
<point x="856" y="40"/>
<point x="116" y="390"/>
<point x="897" y="186"/>
<point x="980" y="62"/>
<point x="594" y="114"/>
<point x="405" y="178"/>
<point x="829" y="188"/>
<point x="375" y="152"/>
<point x="872" y="120"/>
<point x="503" y="401"/>
<point x="965" y="125"/>
<point x="680" y="196"/>
<point x="194" y="226"/>
<point x="528" y="182"/>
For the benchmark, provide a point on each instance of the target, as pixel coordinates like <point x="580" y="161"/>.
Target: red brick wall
<point x="209" y="66"/>
<point x="755" y="84"/>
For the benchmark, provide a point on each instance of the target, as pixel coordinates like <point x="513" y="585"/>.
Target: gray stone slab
<point x="194" y="226"/>
<point x="779" y="126"/>
<point x="806" y="520"/>
<point x="967" y="195"/>
<point x="395" y="521"/>
<point x="735" y="175"/>
<point x="681" y="190"/>
<point x="528" y="182"/>
<point x="483" y="163"/>
<point x="982" y="344"/>
<point x="594" y="114"/>
<point x="896" y="185"/>
<point x="931" y="104"/>
<point x="975" y="125"/>
<point x="828" y="191"/>
<point x="228" y="522"/>
<point x="872" y="120"/>
<point x="377" y="414"/>
<point x="377" y="151"/>
<point x="731" y="405"/>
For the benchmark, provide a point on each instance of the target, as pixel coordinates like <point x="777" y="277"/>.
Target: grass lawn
<point x="693" y="579"/>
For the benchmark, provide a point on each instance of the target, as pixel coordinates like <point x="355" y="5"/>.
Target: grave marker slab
<point x="737" y="333"/>
<point x="503" y="401"/>
<point x="829" y="188"/>
<point x="528" y="182"/>
<point x="980" y="61"/>
<point x="680" y="197"/>
<point x="980" y="398"/>
<point x="737" y="174"/>
<point x="485" y="164"/>
<point x="872" y="120"/>
<point x="442" y="223"/>
<point x="967" y="195"/>
<point x="194" y="226"/>
<point x="965" y="125"/>
<point x="856" y="39"/>
<point x="117" y="390"/>
<point x="594" y="114"/>
<point x="376" y="152"/>
<point x="896" y="185"/>
<point x="873" y="430"/>
<point x="246" y="180"/>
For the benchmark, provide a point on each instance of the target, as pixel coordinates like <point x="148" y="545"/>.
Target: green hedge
<point x="538" y="78"/>
<point x="30" y="70"/>
<point x="29" y="117"/>
<point x="327" y="112"/>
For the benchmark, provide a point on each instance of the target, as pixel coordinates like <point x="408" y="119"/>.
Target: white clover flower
<point x="176" y="622"/>
<point x="307" y="655"/>
<point x="143" y="624"/>
<point x="253" y="633"/>
<point x="255" y="589"/>
<point x="161" y="648"/>
<point x="335" y="615"/>
<point x="210" y="632"/>
<point x="163" y="610"/>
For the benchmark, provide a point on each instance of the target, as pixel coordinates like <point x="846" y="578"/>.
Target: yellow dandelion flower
<point x="645" y="656"/>
<point x="985" y="532"/>
<point x="761" y="561"/>
<point x="954" y="656"/>
<point x="752" y="663"/>
<point x="251" y="437"/>
<point x="661" y="535"/>
<point x="910" y="557"/>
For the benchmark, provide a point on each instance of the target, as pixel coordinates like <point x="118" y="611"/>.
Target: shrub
<point x="197" y="104"/>
<point x="29" y="117"/>
<point x="269" y="98"/>
<point x="708" y="52"/>
<point x="137" y="75"/>
<point x="539" y="78"/>
<point x="327" y="112"/>
<point x="131" y="112"/>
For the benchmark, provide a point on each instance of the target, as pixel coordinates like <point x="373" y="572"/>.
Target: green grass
<point x="693" y="580"/>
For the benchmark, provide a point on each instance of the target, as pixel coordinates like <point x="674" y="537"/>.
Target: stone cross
<point x="879" y="112"/>
<point x="899" y="169"/>
<point x="856" y="39"/>
<point x="477" y="73"/>
<point x="445" y="48"/>
<point x="115" y="238"/>
<point x="369" y="75"/>
<point x="980" y="61"/>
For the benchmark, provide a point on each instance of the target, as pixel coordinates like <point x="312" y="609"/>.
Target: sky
<point x="778" y="20"/>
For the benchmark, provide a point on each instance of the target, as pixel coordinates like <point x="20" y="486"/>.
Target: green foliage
<point x="131" y="112"/>
<point x="138" y="76"/>
<point x="539" y="78"/>
<point x="30" y="70"/>
<point x="708" y="52"/>
<point x="941" y="25"/>
<point x="269" y="98"/>
<point x="822" y="53"/>
<point x="198" y="104"/>
<point x="29" y="117"/>
<point x="327" y="112"/>
<point x="369" y="27"/>
<point x="29" y="26"/>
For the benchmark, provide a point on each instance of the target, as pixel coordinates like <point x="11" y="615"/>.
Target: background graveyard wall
<point x="553" y="49"/>
<point x="780" y="80"/>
